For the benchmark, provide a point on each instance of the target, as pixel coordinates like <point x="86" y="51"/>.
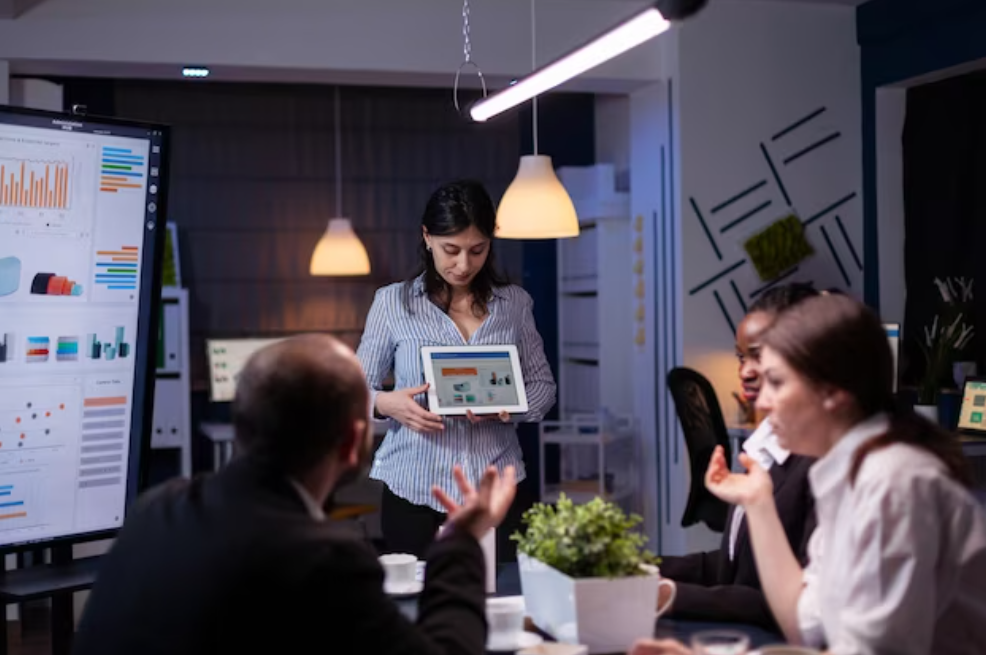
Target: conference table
<point x="508" y="584"/>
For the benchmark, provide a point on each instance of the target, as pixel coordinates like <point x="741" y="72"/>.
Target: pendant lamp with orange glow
<point x="536" y="205"/>
<point x="339" y="252"/>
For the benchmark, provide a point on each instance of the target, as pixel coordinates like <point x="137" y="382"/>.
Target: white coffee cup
<point x="505" y="617"/>
<point x="399" y="569"/>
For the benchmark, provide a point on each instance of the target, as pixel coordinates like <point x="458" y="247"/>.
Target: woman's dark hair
<point x="780" y="298"/>
<point x="835" y="340"/>
<point x="454" y="208"/>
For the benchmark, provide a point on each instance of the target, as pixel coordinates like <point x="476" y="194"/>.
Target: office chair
<point x="704" y="429"/>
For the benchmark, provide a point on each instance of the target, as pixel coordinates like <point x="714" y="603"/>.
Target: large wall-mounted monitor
<point x="81" y="225"/>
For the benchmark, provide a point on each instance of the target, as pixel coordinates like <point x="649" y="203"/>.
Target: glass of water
<point x="720" y="642"/>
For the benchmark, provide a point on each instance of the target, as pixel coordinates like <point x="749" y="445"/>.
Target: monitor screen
<point x="80" y="213"/>
<point x="973" y="410"/>
<point x="226" y="360"/>
<point x="893" y="338"/>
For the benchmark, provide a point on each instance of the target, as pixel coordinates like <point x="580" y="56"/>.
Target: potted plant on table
<point x="586" y="576"/>
<point x="944" y="341"/>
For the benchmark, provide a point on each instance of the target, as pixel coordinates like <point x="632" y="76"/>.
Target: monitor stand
<point x="58" y="581"/>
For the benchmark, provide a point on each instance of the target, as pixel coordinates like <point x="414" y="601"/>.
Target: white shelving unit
<point x="172" y="427"/>
<point x="595" y="294"/>
<point x="598" y="457"/>
<point x="597" y="439"/>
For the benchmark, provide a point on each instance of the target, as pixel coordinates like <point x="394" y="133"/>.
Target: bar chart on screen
<point x="47" y="184"/>
<point x="121" y="171"/>
<point x="37" y="184"/>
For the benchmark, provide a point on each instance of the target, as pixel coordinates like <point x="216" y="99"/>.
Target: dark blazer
<point x="233" y="563"/>
<point x="711" y="587"/>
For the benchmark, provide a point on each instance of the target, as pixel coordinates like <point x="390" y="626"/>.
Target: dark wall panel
<point x="253" y="185"/>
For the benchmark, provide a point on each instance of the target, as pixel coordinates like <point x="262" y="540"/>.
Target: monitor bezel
<point x="148" y="315"/>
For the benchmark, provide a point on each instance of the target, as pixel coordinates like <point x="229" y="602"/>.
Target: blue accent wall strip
<point x="790" y="128"/>
<point x="815" y="146"/>
<point x="835" y="256"/>
<point x="739" y="196"/>
<point x="717" y="277"/>
<point x="831" y="208"/>
<point x="753" y="212"/>
<point x="674" y="274"/>
<point x="777" y="178"/>
<point x="852" y="249"/>
<point x="705" y="227"/>
<point x="774" y="282"/>
<point x="739" y="296"/>
<point x="725" y="312"/>
<point x="668" y="334"/>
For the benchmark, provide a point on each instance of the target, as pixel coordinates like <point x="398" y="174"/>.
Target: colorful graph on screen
<point x="51" y="284"/>
<point x="38" y="349"/>
<point x="36" y="184"/>
<point x="117" y="269"/>
<point x="96" y="349"/>
<point x="121" y="171"/>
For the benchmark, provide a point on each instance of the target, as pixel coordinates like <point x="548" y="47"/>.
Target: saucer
<point x="522" y="640"/>
<point x="404" y="590"/>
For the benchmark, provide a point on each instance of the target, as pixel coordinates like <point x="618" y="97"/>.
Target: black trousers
<point x="410" y="528"/>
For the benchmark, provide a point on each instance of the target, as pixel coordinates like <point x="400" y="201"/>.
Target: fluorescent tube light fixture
<point x="639" y="29"/>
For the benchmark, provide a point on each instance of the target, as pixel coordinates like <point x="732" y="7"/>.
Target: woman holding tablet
<point x="457" y="299"/>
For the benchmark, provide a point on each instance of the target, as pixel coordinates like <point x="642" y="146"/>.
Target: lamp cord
<point x="338" y="126"/>
<point x="534" y="65"/>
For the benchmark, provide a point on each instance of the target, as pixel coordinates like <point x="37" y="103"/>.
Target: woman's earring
<point x="428" y="248"/>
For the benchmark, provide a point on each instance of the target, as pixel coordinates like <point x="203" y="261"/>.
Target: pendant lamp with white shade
<point x="339" y="252"/>
<point x="536" y="205"/>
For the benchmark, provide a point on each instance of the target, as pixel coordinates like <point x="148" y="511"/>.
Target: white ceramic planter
<point x="607" y="615"/>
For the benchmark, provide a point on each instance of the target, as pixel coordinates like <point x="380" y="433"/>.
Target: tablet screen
<point x="474" y="379"/>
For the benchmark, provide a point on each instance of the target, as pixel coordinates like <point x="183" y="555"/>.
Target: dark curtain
<point x="944" y="152"/>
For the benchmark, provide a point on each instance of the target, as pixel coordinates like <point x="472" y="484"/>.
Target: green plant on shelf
<point x="169" y="275"/>
<point x="592" y="540"/>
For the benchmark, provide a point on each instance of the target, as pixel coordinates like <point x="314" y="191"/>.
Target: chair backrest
<point x="704" y="428"/>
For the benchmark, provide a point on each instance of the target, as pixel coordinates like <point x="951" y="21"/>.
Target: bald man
<point x="244" y="561"/>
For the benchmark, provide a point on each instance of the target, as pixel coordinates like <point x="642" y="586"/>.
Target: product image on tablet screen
<point x="484" y="379"/>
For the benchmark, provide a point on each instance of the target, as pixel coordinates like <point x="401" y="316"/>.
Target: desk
<point x="973" y="446"/>
<point x="508" y="584"/>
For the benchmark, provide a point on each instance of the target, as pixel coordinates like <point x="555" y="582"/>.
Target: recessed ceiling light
<point x="195" y="71"/>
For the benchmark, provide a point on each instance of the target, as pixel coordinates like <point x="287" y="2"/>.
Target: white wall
<point x="36" y="94"/>
<point x="613" y="135"/>
<point x="732" y="79"/>
<point x="656" y="244"/>
<point x="355" y="41"/>
<point x="749" y="70"/>
<point x="891" y="109"/>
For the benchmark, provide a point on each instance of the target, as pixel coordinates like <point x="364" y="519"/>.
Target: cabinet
<point x="594" y="446"/>
<point x="172" y="426"/>
<point x="597" y="456"/>
<point x="595" y="295"/>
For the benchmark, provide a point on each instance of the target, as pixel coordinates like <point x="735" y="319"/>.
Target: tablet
<point x="484" y="379"/>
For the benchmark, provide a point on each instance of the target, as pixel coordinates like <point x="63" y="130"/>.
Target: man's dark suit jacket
<point x="234" y="563"/>
<point x="711" y="587"/>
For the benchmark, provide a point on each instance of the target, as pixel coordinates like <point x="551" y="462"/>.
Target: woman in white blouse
<point x="898" y="561"/>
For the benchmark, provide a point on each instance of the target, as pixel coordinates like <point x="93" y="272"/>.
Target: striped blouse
<point x="410" y="462"/>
